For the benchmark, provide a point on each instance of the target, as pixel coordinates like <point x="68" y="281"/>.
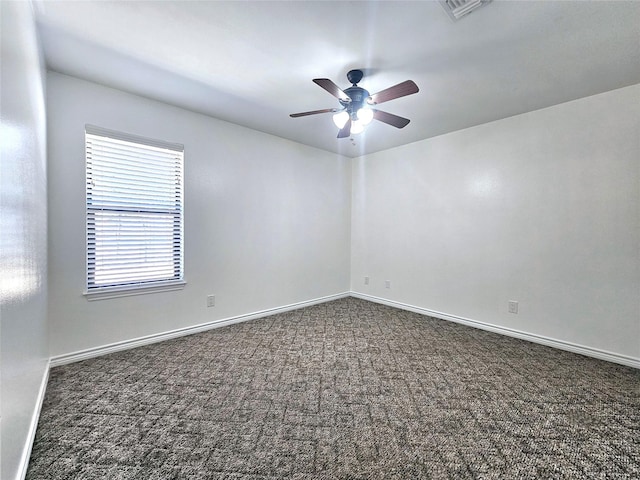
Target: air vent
<point x="456" y="9"/>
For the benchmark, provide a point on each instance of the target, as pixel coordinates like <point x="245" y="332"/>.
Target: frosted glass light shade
<point x="356" y="127"/>
<point x="340" y="119"/>
<point x="365" y="115"/>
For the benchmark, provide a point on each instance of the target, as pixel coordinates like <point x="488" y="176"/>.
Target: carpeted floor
<point x="343" y="390"/>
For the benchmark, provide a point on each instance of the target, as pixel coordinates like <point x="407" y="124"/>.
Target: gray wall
<point x="23" y="236"/>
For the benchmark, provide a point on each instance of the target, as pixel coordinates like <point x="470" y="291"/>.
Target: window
<point x="134" y="216"/>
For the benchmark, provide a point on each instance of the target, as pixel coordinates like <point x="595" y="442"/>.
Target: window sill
<point x="116" y="292"/>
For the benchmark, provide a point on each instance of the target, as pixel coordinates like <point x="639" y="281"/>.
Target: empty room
<point x="261" y="240"/>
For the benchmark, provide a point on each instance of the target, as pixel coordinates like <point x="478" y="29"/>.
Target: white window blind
<point x="134" y="200"/>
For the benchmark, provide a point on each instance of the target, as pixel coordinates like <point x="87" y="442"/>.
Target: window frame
<point x="126" y="287"/>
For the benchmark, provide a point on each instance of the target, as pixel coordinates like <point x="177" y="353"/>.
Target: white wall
<point x="542" y="208"/>
<point x="23" y="236"/>
<point x="267" y="221"/>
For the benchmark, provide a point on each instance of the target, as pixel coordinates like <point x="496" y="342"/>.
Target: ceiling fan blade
<point x="390" y="119"/>
<point x="314" y="112"/>
<point x="332" y="88"/>
<point x="346" y="130"/>
<point x="400" y="90"/>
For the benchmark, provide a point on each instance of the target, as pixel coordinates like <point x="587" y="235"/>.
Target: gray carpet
<point x="343" y="390"/>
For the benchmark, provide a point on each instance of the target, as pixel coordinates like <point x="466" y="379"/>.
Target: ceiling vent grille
<point x="456" y="9"/>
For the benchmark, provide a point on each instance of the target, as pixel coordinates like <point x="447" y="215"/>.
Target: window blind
<point x="134" y="211"/>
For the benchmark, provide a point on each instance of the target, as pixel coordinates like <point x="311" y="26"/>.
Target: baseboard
<point x="550" y="342"/>
<point x="33" y="426"/>
<point x="138" y="342"/>
<point x="181" y="332"/>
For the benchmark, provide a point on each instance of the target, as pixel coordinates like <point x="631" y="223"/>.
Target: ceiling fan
<point x="354" y="112"/>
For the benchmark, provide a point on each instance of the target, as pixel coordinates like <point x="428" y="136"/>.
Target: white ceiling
<point x="252" y="62"/>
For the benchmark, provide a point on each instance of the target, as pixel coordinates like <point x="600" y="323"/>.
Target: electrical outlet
<point x="387" y="283"/>
<point x="513" y="306"/>
<point x="211" y="300"/>
<point x="366" y="280"/>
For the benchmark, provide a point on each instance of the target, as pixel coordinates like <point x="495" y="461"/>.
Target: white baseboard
<point x="550" y="342"/>
<point x="181" y="332"/>
<point x="33" y="426"/>
<point x="138" y="342"/>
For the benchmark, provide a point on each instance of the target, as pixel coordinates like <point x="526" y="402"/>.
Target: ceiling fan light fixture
<point x="365" y="115"/>
<point x="356" y="127"/>
<point x="354" y="114"/>
<point x="341" y="118"/>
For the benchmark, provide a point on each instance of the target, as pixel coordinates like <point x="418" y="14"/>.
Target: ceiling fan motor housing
<point x="358" y="96"/>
